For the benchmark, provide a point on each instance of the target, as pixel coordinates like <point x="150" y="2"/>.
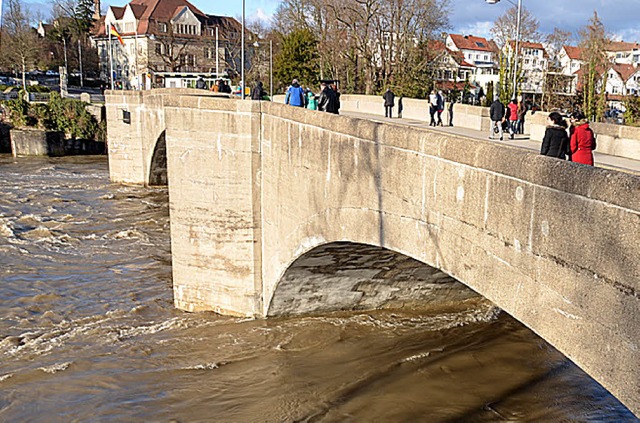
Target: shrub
<point x="632" y="112"/>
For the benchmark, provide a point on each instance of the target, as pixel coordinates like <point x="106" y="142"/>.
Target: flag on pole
<point x="113" y="31"/>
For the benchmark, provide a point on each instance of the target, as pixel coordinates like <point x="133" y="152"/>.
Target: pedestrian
<point x="451" y="103"/>
<point x="513" y="118"/>
<point x="556" y="141"/>
<point x="312" y="102"/>
<point x="440" y="102"/>
<point x="522" y="112"/>
<point x="496" y="114"/>
<point x="583" y="141"/>
<point x="400" y="107"/>
<point x="295" y="95"/>
<point x="201" y="84"/>
<point x="433" y="107"/>
<point x="328" y="100"/>
<point x="389" y="101"/>
<point x="258" y="91"/>
<point x="334" y="87"/>
<point x="223" y="87"/>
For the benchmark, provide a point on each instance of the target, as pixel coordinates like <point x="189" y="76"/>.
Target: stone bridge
<point x="253" y="186"/>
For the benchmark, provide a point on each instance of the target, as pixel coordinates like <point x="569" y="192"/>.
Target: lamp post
<point x="242" y="83"/>
<point x="257" y="44"/>
<point x="515" y="53"/>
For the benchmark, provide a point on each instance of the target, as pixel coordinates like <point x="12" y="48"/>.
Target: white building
<point x="533" y="62"/>
<point x="479" y="52"/>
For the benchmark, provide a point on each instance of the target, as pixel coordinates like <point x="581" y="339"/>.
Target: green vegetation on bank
<point x="60" y="114"/>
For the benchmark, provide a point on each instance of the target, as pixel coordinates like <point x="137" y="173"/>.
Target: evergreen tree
<point x="298" y="59"/>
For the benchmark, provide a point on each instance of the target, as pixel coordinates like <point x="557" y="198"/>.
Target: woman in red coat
<point x="583" y="142"/>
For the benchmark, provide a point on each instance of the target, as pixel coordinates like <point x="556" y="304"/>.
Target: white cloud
<point x="260" y="15"/>
<point x="479" y="29"/>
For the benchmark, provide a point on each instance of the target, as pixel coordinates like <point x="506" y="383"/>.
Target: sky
<point x="471" y="17"/>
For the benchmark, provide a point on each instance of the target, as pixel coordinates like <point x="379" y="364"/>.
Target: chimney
<point x="96" y="10"/>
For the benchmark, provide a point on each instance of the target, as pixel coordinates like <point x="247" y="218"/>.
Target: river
<point x="88" y="332"/>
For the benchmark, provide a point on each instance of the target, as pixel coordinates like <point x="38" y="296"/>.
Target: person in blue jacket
<point x="295" y="95"/>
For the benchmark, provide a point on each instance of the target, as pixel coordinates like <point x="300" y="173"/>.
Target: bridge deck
<point x="522" y="141"/>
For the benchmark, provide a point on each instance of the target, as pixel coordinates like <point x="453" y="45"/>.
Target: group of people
<point x="327" y="101"/>
<point x="574" y="143"/>
<point x="436" y="107"/>
<point x="510" y="117"/>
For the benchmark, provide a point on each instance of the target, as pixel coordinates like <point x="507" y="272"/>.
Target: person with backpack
<point x="295" y="95"/>
<point x="258" y="92"/>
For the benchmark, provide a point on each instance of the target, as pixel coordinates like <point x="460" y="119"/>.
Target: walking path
<point x="522" y="141"/>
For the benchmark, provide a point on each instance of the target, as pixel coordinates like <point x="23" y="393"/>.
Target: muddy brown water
<point x="88" y="332"/>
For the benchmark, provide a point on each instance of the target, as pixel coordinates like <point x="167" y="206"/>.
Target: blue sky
<point x="475" y="17"/>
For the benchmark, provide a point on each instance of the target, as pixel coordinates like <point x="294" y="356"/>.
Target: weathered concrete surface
<point x="255" y="185"/>
<point x="34" y="142"/>
<point x="132" y="146"/>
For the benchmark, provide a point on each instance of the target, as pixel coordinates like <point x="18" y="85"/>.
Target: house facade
<point x="162" y="38"/>
<point x="479" y="54"/>
<point x="533" y="62"/>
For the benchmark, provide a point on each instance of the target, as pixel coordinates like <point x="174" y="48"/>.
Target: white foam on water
<point x="206" y="366"/>
<point x="55" y="368"/>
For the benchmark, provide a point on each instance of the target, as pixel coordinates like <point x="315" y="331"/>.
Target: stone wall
<point x="35" y="142"/>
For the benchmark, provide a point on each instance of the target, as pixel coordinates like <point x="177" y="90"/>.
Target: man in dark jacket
<point x="258" y="92"/>
<point x="328" y="100"/>
<point x="389" y="101"/>
<point x="201" y="84"/>
<point x="496" y="112"/>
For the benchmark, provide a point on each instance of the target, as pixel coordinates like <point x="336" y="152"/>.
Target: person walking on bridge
<point x="433" y="107"/>
<point x="295" y="95"/>
<point x="328" y="99"/>
<point x="389" y="101"/>
<point x="496" y="113"/>
<point x="513" y="118"/>
<point x="583" y="141"/>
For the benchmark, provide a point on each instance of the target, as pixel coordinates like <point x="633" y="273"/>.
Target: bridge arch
<point x="352" y="276"/>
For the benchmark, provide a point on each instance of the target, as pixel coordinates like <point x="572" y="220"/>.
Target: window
<point x="480" y="44"/>
<point x="535" y="62"/>
<point x="159" y="48"/>
<point x="162" y="27"/>
<point x="486" y="58"/>
<point x="209" y="52"/>
<point x="526" y="61"/>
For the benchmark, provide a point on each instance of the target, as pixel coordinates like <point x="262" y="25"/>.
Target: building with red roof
<point x="163" y="37"/>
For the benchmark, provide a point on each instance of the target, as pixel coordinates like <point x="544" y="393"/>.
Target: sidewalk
<point x="522" y="141"/>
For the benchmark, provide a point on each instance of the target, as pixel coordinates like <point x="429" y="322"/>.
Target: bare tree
<point x="365" y="42"/>
<point x="504" y="28"/>
<point x="22" y="46"/>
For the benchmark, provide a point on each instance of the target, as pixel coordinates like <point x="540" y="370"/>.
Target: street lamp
<point x="515" y="54"/>
<point x="242" y="83"/>
<point x="257" y="44"/>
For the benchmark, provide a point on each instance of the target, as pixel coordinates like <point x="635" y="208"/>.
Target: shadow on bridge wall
<point x="158" y="165"/>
